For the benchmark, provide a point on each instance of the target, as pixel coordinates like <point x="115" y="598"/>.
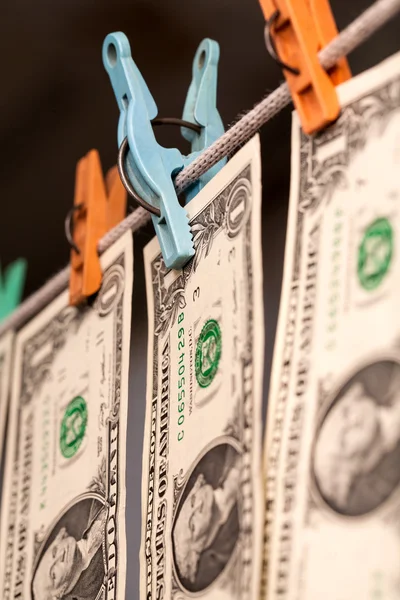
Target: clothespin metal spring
<point x="271" y="46"/>
<point x="68" y="226"/>
<point x="123" y="152"/>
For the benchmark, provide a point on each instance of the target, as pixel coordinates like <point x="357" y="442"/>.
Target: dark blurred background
<point x="56" y="103"/>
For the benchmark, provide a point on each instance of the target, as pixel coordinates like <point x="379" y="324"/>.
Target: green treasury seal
<point x="73" y="427"/>
<point x="375" y="253"/>
<point x="208" y="353"/>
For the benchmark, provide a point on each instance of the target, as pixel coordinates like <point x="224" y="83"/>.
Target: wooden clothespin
<point x="296" y="31"/>
<point x="98" y="206"/>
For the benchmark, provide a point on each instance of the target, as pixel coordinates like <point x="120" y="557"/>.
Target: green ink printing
<point x="375" y="254"/>
<point x="208" y="353"/>
<point x="73" y="427"/>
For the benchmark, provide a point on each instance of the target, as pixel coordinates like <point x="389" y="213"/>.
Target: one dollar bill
<point x="201" y="492"/>
<point x="6" y="348"/>
<point x="63" y="508"/>
<point x="333" y="437"/>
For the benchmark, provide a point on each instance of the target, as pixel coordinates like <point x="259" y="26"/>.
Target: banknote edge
<point x="249" y="154"/>
<point x="123" y="246"/>
<point x="349" y="92"/>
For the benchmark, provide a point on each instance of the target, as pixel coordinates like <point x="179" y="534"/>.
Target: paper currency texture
<point x="201" y="494"/>
<point x="6" y="347"/>
<point x="63" y="509"/>
<point x="333" y="441"/>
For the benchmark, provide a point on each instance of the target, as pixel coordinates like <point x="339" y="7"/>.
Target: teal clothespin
<point x="148" y="169"/>
<point x="11" y="286"/>
<point x="201" y="108"/>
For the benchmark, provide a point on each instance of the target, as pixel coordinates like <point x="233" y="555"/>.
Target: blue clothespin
<point x="11" y="286"/>
<point x="150" y="168"/>
<point x="201" y="108"/>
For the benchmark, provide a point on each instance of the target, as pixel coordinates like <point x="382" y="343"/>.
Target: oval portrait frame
<point x="344" y="382"/>
<point x="53" y="525"/>
<point x="183" y="493"/>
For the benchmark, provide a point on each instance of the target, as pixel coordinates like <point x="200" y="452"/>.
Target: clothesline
<point x="350" y="38"/>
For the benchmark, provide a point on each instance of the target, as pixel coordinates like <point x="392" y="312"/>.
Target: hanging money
<point x="63" y="509"/>
<point x="333" y="434"/>
<point x="6" y="346"/>
<point x="201" y="494"/>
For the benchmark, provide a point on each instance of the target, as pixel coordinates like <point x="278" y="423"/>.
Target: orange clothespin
<point x="98" y="206"/>
<point x="296" y="31"/>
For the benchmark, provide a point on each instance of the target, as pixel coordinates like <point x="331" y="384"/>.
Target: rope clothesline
<point x="350" y="38"/>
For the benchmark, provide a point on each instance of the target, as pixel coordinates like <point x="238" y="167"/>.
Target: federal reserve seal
<point x="73" y="427"/>
<point x="375" y="253"/>
<point x="208" y="353"/>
